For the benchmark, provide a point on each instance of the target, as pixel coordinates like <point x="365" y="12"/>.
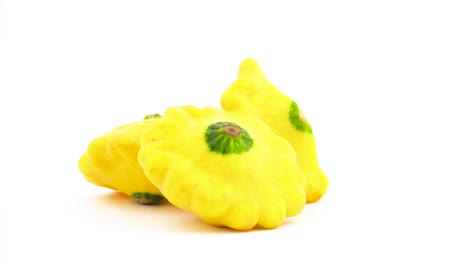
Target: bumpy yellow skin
<point x="259" y="187"/>
<point x="111" y="161"/>
<point x="252" y="94"/>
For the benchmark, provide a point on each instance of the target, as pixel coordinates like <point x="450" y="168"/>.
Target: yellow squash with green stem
<point x="227" y="169"/>
<point x="252" y="94"/>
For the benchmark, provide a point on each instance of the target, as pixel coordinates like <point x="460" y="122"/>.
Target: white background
<point x="383" y="83"/>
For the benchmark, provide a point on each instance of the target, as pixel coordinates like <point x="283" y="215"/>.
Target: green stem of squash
<point x="146" y="198"/>
<point x="228" y="138"/>
<point x="298" y="119"/>
<point x="152" y="116"/>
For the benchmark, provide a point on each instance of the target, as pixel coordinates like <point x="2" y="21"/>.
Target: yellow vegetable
<point x="111" y="162"/>
<point x="227" y="169"/>
<point x="252" y="94"/>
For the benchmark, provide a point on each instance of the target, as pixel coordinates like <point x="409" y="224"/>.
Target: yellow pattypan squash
<point x="227" y="169"/>
<point x="252" y="94"/>
<point x="111" y="162"/>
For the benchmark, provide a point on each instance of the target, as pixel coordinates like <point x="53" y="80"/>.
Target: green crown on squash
<point x="298" y="119"/>
<point x="151" y="116"/>
<point x="146" y="198"/>
<point x="228" y="138"/>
